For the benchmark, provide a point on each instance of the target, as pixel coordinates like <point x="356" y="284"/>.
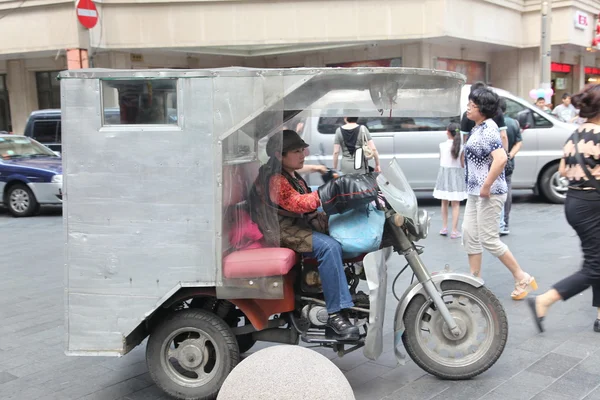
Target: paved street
<point x="563" y="363"/>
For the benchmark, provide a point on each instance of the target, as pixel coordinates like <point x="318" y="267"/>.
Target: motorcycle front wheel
<point x="484" y="331"/>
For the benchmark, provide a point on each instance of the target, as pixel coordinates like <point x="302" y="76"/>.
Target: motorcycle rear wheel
<point x="484" y="331"/>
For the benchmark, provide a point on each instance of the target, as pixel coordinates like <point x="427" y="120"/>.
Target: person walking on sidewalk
<point x="348" y="138"/>
<point x="485" y="158"/>
<point x="515" y="141"/>
<point x="467" y="125"/>
<point x="450" y="185"/>
<point x="582" y="207"/>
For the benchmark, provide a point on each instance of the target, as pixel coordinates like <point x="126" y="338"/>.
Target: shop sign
<point x="592" y="71"/>
<point x="582" y="20"/>
<point x="558" y="67"/>
<point x="596" y="40"/>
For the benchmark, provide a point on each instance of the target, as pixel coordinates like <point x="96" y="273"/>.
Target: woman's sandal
<point x="455" y="235"/>
<point x="521" y="288"/>
<point x="538" y="320"/>
<point x="444" y="232"/>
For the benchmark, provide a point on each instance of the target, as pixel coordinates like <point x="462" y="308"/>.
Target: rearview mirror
<point x="358" y="158"/>
<point x="525" y="119"/>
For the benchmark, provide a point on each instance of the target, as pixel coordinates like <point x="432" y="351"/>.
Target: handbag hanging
<point x="579" y="157"/>
<point x="368" y="152"/>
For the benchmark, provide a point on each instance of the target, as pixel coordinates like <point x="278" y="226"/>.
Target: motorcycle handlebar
<point x="330" y="174"/>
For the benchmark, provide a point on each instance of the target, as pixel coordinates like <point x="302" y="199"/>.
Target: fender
<point x="418" y="289"/>
<point x="258" y="311"/>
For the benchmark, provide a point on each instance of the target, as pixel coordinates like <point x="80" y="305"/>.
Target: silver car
<point x="415" y="141"/>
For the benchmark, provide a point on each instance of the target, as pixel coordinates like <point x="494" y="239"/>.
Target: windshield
<point x="397" y="191"/>
<point x="22" y="147"/>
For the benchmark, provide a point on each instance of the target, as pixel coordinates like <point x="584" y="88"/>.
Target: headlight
<point x="57" y="179"/>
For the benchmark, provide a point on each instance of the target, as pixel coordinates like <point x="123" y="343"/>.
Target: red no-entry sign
<point x="87" y="13"/>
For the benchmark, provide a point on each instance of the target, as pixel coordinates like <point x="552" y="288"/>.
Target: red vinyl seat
<point x="258" y="263"/>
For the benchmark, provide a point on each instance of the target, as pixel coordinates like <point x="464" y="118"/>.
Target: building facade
<point x="492" y="40"/>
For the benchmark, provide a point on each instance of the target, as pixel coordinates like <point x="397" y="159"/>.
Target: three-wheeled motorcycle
<point x="159" y="243"/>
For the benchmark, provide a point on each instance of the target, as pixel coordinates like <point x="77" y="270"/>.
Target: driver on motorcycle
<point x="285" y="209"/>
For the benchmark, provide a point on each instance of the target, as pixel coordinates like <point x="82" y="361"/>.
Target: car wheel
<point x="21" y="201"/>
<point x="553" y="186"/>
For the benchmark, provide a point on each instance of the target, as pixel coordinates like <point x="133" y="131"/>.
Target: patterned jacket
<point x="285" y="209"/>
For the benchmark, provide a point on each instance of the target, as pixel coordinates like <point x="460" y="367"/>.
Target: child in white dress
<point x="450" y="186"/>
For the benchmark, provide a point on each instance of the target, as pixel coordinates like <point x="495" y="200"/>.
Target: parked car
<point x="30" y="175"/>
<point x="45" y="125"/>
<point x="414" y="141"/>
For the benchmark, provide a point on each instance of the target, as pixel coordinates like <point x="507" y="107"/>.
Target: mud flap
<point x="376" y="272"/>
<point x="400" y="356"/>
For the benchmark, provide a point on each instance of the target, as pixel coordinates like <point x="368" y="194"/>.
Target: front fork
<point x="406" y="247"/>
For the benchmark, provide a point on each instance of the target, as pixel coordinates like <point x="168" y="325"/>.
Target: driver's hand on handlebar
<point x="320" y="169"/>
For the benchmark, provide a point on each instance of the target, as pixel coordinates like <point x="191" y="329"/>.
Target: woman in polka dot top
<point x="485" y="158"/>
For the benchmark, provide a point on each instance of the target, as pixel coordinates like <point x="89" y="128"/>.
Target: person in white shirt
<point x="566" y="112"/>
<point x="450" y="185"/>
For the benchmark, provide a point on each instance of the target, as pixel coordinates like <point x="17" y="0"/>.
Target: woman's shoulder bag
<point x="368" y="152"/>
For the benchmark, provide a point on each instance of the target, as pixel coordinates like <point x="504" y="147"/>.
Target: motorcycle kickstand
<point x="341" y="352"/>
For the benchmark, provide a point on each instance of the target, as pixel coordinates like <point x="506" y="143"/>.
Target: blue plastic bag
<point x="358" y="230"/>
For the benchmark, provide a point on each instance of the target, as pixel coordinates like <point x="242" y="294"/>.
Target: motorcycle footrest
<point x="321" y="339"/>
<point x="331" y="334"/>
<point x="328" y="336"/>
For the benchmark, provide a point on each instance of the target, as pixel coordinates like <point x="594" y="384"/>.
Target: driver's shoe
<point x="342" y="326"/>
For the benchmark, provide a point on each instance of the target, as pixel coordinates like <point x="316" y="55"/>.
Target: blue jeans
<point x="507" y="204"/>
<point x="328" y="252"/>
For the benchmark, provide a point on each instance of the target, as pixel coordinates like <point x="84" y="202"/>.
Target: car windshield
<point x="22" y="147"/>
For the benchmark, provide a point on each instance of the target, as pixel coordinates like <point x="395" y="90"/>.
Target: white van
<point x="415" y="141"/>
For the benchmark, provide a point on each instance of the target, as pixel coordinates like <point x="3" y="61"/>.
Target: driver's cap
<point x="285" y="141"/>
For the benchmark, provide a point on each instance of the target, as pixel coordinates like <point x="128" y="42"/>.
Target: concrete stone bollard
<point x="286" y="373"/>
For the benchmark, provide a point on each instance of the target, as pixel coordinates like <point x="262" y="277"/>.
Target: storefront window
<point x="473" y="70"/>
<point x="562" y="81"/>
<point x="48" y="88"/>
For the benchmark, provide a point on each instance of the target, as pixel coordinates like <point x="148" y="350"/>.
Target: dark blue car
<point x="30" y="175"/>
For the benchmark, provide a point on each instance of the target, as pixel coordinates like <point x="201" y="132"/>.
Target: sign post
<point x="545" y="44"/>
